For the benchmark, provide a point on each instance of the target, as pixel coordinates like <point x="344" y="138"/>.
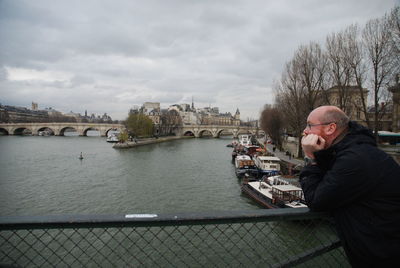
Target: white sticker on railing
<point x="140" y="216"/>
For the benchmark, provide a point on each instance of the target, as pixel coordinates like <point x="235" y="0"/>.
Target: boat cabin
<point x="268" y="163"/>
<point x="244" y="161"/>
<point x="287" y="193"/>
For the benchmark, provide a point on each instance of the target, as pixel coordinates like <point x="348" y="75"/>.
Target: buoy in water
<point x="81" y="157"/>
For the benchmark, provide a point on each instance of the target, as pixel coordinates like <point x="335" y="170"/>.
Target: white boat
<point x="275" y="193"/>
<point x="44" y="133"/>
<point x="268" y="165"/>
<point x="113" y="137"/>
<point x="245" y="165"/>
<point x="245" y="140"/>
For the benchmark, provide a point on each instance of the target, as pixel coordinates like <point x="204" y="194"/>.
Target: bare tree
<point x="339" y="69"/>
<point x="377" y="41"/>
<point x="354" y="57"/>
<point x="394" y="24"/>
<point x="170" y="121"/>
<point x="272" y="124"/>
<point x="301" y="85"/>
<point x="290" y="100"/>
<point x="310" y="62"/>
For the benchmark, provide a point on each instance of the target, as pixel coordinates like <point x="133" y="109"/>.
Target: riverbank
<point x="141" y="142"/>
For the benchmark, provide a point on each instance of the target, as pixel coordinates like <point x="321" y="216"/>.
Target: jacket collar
<point x="355" y="133"/>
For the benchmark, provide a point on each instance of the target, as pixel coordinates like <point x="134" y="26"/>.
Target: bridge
<point x="216" y="130"/>
<point x="58" y="129"/>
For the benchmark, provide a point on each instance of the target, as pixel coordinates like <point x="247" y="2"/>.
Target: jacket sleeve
<point x="346" y="181"/>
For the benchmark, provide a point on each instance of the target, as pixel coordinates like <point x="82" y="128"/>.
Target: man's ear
<point x="331" y="129"/>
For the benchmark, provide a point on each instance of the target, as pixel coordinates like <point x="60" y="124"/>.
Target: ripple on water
<point x="43" y="175"/>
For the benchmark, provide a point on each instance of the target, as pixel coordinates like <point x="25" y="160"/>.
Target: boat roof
<point x="295" y="204"/>
<point x="243" y="157"/>
<point x="266" y="190"/>
<point x="285" y="188"/>
<point x="269" y="158"/>
<point x="388" y="134"/>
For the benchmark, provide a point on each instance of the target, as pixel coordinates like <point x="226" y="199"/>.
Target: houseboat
<point x="245" y="165"/>
<point x="238" y="149"/>
<point x="268" y="165"/>
<point x="274" y="192"/>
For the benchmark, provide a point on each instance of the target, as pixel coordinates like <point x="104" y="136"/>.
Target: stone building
<point x="165" y="121"/>
<point x="389" y="112"/>
<point x="385" y="119"/>
<point x="187" y="113"/>
<point x="211" y="116"/>
<point x="351" y="97"/>
<point x="225" y="119"/>
<point x="14" y="114"/>
<point x="237" y="115"/>
<point x="149" y="107"/>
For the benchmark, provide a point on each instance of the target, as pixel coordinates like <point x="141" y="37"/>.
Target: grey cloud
<point x="3" y="74"/>
<point x="78" y="80"/>
<point x="122" y="53"/>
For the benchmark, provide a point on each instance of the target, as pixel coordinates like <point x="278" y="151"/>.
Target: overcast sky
<point x="107" y="56"/>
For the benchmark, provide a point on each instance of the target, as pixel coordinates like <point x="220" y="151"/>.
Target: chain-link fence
<point x="256" y="238"/>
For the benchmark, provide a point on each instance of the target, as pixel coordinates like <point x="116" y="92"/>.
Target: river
<point x="44" y="176"/>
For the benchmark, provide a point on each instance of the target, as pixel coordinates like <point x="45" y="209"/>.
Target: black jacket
<point x="360" y="185"/>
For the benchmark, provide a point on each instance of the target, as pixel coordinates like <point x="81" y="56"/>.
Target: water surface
<point x="43" y="176"/>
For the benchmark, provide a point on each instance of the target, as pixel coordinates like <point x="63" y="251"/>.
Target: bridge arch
<point x="207" y="131"/>
<point x="230" y="131"/>
<point x="4" y="131"/>
<point x="62" y="130"/>
<point x="188" y="133"/>
<point x="112" y="129"/>
<point x="51" y="131"/>
<point x="85" y="131"/>
<point x="22" y="131"/>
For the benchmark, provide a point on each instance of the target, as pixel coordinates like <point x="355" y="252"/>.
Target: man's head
<point x="328" y="122"/>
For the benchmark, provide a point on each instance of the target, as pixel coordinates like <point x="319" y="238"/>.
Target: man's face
<point x="314" y="125"/>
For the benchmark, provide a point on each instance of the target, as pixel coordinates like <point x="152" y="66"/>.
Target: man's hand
<point x="312" y="143"/>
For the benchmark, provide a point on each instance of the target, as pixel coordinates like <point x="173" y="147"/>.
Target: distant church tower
<point x="237" y="114"/>
<point x="34" y="106"/>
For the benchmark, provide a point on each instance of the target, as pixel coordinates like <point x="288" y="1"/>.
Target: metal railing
<point x="255" y="238"/>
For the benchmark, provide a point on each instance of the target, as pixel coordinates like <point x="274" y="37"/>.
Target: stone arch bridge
<point x="216" y="130"/>
<point x="58" y="129"/>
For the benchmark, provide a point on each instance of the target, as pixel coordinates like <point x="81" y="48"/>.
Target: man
<point x="347" y="174"/>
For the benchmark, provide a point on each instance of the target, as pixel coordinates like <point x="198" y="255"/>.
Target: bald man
<point x="346" y="174"/>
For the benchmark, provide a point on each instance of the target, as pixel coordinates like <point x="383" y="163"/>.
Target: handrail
<point x="140" y="220"/>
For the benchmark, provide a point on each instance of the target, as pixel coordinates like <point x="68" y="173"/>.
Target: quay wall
<point x="141" y="142"/>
